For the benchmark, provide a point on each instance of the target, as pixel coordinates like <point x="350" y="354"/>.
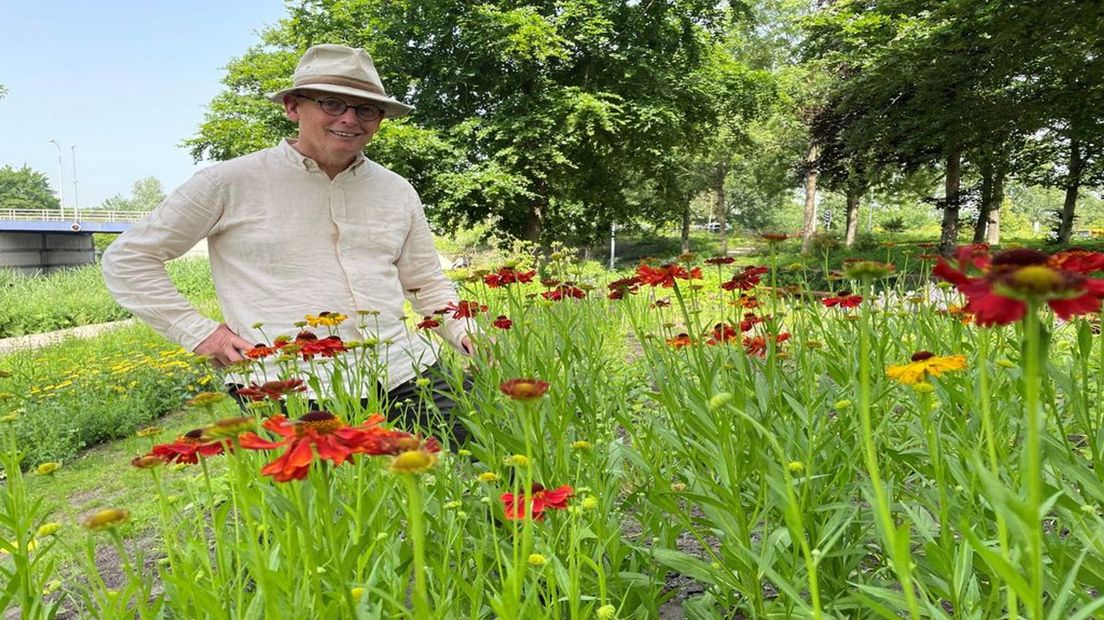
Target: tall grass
<point x="31" y="304"/>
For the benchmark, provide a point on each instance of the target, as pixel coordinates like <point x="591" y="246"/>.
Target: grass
<point x="75" y="297"/>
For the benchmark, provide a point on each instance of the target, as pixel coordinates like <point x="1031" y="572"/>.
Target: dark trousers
<point x="427" y="409"/>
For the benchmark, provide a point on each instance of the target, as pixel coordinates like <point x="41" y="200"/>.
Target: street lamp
<point x="61" y="179"/>
<point x="76" y="201"/>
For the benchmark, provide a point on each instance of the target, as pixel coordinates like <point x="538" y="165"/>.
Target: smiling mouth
<point x="344" y="134"/>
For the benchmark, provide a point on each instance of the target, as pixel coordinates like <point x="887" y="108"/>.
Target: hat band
<point x="337" y="80"/>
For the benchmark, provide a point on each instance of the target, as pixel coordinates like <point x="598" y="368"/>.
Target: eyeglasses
<point x="336" y="107"/>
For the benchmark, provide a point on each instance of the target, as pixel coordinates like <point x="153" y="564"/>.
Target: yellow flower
<point x="925" y="363"/>
<point x="106" y="518"/>
<point x="207" y="399"/>
<point x="413" y="462"/>
<point x="46" y="469"/>
<point x="581" y="444"/>
<point x="357" y="593"/>
<point x="488" y="476"/>
<point x="796" y="467"/>
<point x="518" y="460"/>
<point x="326" y="319"/>
<point x="48" y="529"/>
<point x="536" y="559"/>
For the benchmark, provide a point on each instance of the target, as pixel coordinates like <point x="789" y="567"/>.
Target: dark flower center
<point x="1020" y="257"/>
<point x="920" y="356"/>
<point x="319" y="421"/>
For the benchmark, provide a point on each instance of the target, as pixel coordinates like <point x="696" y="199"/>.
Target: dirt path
<point x="37" y="341"/>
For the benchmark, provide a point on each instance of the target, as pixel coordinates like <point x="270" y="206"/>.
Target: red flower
<point x="187" y="448"/>
<point x="720" y="260"/>
<point x="272" y="390"/>
<point x="310" y="345"/>
<point x="997" y="296"/>
<point x="464" y="309"/>
<point x="625" y="286"/>
<point x="502" y="322"/>
<point x="661" y="303"/>
<point x="259" y="351"/>
<point x="524" y="389"/>
<point x="506" y="276"/>
<point x="666" y="275"/>
<point x="539" y="500"/>
<point x="428" y="323"/>
<point x="564" y="291"/>
<point x="773" y="237"/>
<point x="723" y="333"/>
<point x="757" y="346"/>
<point x="750" y="320"/>
<point x="680" y="341"/>
<point x="745" y="280"/>
<point x="333" y="440"/>
<point x="843" y="301"/>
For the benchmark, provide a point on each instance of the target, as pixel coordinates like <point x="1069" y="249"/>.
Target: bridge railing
<point x="56" y="215"/>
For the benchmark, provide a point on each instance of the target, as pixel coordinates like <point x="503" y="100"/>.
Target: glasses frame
<point x="365" y="112"/>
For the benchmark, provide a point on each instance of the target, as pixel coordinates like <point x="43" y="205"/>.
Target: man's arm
<point x="134" y="264"/>
<point x="420" y="270"/>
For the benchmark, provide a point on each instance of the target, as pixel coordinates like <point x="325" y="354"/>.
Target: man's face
<point x="329" y="140"/>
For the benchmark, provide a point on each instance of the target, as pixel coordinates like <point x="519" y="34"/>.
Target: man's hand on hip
<point x="223" y="347"/>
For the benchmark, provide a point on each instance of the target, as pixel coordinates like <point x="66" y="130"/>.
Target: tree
<point x="24" y="188"/>
<point x="146" y="194"/>
<point x="536" y="117"/>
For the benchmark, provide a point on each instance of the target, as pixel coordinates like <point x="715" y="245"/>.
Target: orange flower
<point x="757" y="346"/>
<point x="272" y="390"/>
<point x="680" y="341"/>
<point x="259" y="351"/>
<point x="331" y="437"/>
<point x="506" y="276"/>
<point x="666" y="275"/>
<point x="539" y="499"/>
<point x="429" y="323"/>
<point x="502" y="322"/>
<point x="524" y="389"/>
<point x="723" y="333"/>
<point x="187" y="448"/>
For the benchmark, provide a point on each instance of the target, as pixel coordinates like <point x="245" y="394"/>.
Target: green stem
<point x="417" y="539"/>
<point x="988" y="431"/>
<point x="901" y="562"/>
<point x="1032" y="475"/>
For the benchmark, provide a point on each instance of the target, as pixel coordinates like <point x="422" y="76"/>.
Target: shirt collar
<point x="288" y="149"/>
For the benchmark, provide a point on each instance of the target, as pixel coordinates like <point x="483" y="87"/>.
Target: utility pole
<point x="76" y="201"/>
<point x="613" y="243"/>
<point x="61" y="179"/>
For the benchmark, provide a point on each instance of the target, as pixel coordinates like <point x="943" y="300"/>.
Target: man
<point x="307" y="226"/>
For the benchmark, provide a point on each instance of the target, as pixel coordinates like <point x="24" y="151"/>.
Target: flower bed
<point x="692" y="432"/>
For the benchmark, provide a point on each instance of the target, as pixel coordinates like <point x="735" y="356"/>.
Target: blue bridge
<point x="39" y="241"/>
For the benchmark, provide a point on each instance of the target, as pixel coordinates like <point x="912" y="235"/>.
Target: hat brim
<point x="391" y="108"/>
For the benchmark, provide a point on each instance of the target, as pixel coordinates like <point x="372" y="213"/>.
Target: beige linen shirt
<point x="286" y="241"/>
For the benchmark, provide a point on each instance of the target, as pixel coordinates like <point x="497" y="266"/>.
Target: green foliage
<point x="145" y="195"/>
<point x="74" y="297"/>
<point x="539" y="118"/>
<point x="25" y="188"/>
<point x="79" y="393"/>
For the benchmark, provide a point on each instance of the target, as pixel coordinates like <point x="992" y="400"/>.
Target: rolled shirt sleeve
<point x="134" y="264"/>
<point x="424" y="281"/>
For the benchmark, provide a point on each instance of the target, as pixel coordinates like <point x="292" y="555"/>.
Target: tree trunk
<point x="534" y="222"/>
<point x="809" y="228"/>
<point x="1073" y="186"/>
<point x="992" y="236"/>
<point x="982" y="225"/>
<point x="686" y="227"/>
<point x="948" y="237"/>
<point x="852" y="228"/>
<point x="721" y="206"/>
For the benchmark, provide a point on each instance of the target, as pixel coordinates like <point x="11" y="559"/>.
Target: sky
<point x="124" y="81"/>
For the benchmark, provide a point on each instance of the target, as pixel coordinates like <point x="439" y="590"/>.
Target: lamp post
<point x="61" y="179"/>
<point x="76" y="200"/>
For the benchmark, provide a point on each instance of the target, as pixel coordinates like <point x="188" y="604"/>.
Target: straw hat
<point x="342" y="70"/>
